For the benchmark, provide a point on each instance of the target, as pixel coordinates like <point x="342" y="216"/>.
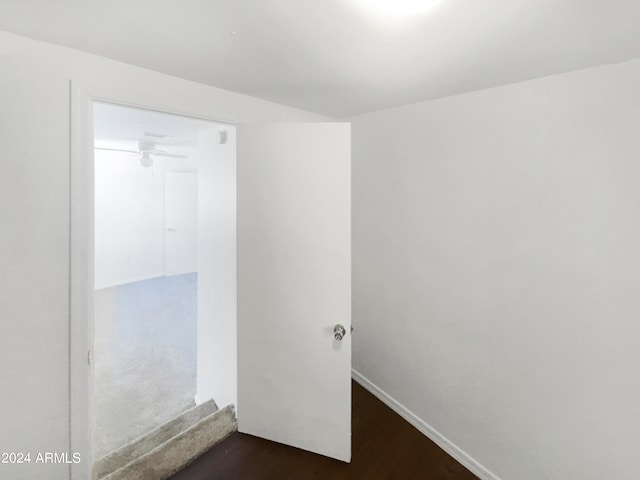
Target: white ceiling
<point x="328" y="56"/>
<point x="118" y="126"/>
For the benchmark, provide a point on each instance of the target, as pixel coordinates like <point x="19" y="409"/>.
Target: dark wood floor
<point x="384" y="446"/>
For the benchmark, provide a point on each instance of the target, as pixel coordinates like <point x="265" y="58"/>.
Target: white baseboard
<point x="196" y="399"/>
<point x="456" y="452"/>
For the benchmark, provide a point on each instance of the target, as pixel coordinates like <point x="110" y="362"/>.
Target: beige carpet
<point x="181" y="450"/>
<point x="153" y="439"/>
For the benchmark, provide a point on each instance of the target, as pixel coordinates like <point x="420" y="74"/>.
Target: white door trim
<point x="81" y="282"/>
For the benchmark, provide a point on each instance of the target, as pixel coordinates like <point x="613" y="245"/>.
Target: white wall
<point x="496" y="270"/>
<point x="217" y="292"/>
<point x="34" y="207"/>
<point x="129" y="218"/>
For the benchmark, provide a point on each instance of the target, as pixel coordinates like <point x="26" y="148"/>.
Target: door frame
<point x="81" y="252"/>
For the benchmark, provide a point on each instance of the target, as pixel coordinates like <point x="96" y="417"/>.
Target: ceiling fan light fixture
<point x="145" y="160"/>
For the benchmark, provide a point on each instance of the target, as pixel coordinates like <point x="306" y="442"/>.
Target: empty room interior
<point x="149" y="170"/>
<point x="338" y="239"/>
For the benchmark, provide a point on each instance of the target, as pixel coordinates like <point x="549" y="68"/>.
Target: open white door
<point x="294" y="285"/>
<point x="181" y="223"/>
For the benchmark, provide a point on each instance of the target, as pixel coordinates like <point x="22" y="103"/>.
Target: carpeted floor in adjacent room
<point x="144" y="357"/>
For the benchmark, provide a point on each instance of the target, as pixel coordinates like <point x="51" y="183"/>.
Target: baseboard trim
<point x="443" y="442"/>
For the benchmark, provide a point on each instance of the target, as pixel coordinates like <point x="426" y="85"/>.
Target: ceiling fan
<point x="145" y="150"/>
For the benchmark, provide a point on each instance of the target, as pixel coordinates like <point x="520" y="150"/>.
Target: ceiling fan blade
<point x="157" y="153"/>
<point x="162" y="154"/>
<point x="116" y="150"/>
<point x="156" y="135"/>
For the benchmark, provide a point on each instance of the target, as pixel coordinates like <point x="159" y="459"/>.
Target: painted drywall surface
<point x="34" y="198"/>
<point x="34" y="280"/>
<point x="130" y="217"/>
<point x="496" y="270"/>
<point x="129" y="221"/>
<point x="217" y="332"/>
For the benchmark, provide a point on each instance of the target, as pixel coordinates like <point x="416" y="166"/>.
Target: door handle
<point x="338" y="332"/>
<point x="171" y="229"/>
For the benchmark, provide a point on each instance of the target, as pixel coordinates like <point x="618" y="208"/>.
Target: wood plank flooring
<point x="384" y="446"/>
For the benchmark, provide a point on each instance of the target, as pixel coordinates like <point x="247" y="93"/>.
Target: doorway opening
<point x="164" y="270"/>
<point x="290" y="232"/>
